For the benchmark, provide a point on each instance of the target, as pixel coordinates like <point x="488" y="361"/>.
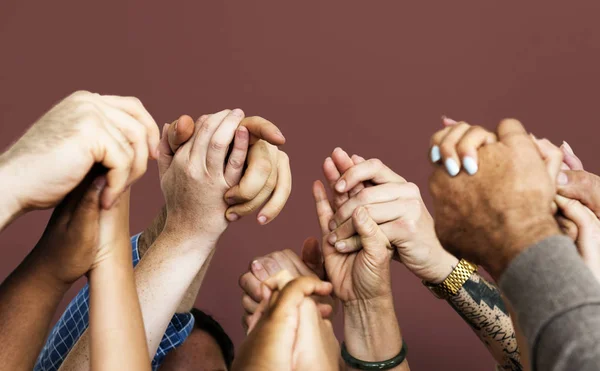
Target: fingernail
<point x="233" y="217"/>
<point x="332" y="238"/>
<point x="332" y="225"/>
<point x="279" y="134"/>
<point x="568" y="148"/>
<point x="340" y="186"/>
<point x="175" y="127"/>
<point x="340" y="246"/>
<point x="259" y="271"/>
<point x="99" y="182"/>
<point x="562" y="179"/>
<point x="230" y="200"/>
<point x="435" y="154"/>
<point x="361" y="214"/>
<point x="262" y="219"/>
<point x="237" y="112"/>
<point x="452" y="167"/>
<point x="448" y="121"/>
<point x="470" y="165"/>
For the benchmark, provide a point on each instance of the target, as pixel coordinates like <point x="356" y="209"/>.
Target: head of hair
<point x="208" y="324"/>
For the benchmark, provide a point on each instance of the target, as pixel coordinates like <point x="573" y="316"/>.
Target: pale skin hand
<point x="64" y="144"/>
<point x="115" y="316"/>
<point x="479" y="303"/>
<point x="161" y="288"/>
<point x="33" y="291"/>
<point x="291" y="334"/>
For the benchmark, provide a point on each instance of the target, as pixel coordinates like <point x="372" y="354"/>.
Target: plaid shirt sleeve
<point x="74" y="321"/>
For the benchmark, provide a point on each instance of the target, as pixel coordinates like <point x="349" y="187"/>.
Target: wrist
<point x="41" y="270"/>
<point x="517" y="239"/>
<point x="10" y="201"/>
<point x="441" y="265"/>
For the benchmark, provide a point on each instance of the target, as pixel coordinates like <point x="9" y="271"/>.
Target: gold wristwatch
<point x="457" y="278"/>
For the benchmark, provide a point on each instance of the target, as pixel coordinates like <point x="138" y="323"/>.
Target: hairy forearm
<point x="28" y="300"/>
<point x="192" y="292"/>
<point x="371" y="331"/>
<point x="115" y="316"/>
<point x="480" y="304"/>
<point x="9" y="203"/>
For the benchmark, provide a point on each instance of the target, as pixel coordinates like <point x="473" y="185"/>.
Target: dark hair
<point x="206" y="323"/>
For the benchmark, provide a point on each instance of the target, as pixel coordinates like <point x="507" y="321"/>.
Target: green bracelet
<point x="383" y="365"/>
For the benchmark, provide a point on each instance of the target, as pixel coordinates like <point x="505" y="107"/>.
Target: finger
<point x="253" y="319"/>
<point x="250" y="284"/>
<point x="313" y="257"/>
<point x="181" y="131"/>
<point x="381" y="213"/>
<point x="343" y="163"/>
<point x="371" y="236"/>
<point x="165" y="153"/>
<point x="135" y="133"/>
<point x="332" y="175"/>
<point x="468" y="146"/>
<point x="354" y="191"/>
<point x="249" y="304"/>
<point x="434" y="144"/>
<point x="260" y="167"/>
<point x="551" y="155"/>
<point x="237" y="158"/>
<point x="295" y="291"/>
<point x="382" y="193"/>
<point x="236" y="211"/>
<point x="279" y="280"/>
<point x="582" y="186"/>
<point x="447" y="121"/>
<point x="448" y="147"/>
<point x="117" y="158"/>
<point x="220" y="141"/>
<point x="568" y="227"/>
<point x="203" y="136"/>
<point x="270" y="265"/>
<point x="372" y="170"/>
<point x="509" y="129"/>
<point x="87" y="211"/>
<point x="576" y="212"/>
<point x="282" y="191"/>
<point x="261" y="128"/>
<point x="324" y="211"/>
<point x="569" y="157"/>
<point x="134" y="107"/>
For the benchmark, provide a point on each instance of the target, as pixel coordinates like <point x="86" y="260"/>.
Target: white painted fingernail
<point x="470" y="165"/>
<point x="435" y="154"/>
<point x="452" y="167"/>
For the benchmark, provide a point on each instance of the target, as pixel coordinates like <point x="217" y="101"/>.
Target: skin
<point x="65" y="252"/>
<point x="200" y="351"/>
<point x="64" y="144"/>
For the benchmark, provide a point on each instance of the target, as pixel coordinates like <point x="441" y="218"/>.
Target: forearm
<point x="192" y="292"/>
<point x="371" y="330"/>
<point x="115" y="316"/>
<point x="9" y="203"/>
<point x="28" y="300"/>
<point x="480" y="305"/>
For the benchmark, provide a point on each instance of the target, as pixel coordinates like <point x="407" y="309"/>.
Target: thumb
<point x="581" y="186"/>
<point x="372" y="238"/>
<point x="86" y="214"/>
<point x="165" y="156"/>
<point x="312" y="257"/>
<point x="181" y="131"/>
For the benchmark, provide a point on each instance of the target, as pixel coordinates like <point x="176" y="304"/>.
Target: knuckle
<point x="364" y="195"/>
<point x="264" y="167"/>
<point x="375" y="162"/>
<point x="413" y="189"/>
<point x="235" y="163"/>
<point x="447" y="148"/>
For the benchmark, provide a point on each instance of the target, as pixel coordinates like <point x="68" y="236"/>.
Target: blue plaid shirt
<point x="75" y="320"/>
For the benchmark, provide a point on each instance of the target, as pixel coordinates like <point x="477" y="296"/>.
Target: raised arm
<point x="30" y="295"/>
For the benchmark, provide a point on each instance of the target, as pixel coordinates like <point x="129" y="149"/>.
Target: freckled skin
<point x="200" y="352"/>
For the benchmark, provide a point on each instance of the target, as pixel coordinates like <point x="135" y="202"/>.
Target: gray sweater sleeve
<point x="557" y="303"/>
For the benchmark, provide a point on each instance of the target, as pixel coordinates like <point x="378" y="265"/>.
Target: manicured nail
<point x="332" y="238"/>
<point x="340" y="246"/>
<point x="340" y="186"/>
<point x="568" y="148"/>
<point x="470" y="165"/>
<point x="332" y="225"/>
<point x="233" y="217"/>
<point x="435" y="154"/>
<point x="262" y="219"/>
<point x="448" y="121"/>
<point x="562" y="179"/>
<point x="452" y="167"/>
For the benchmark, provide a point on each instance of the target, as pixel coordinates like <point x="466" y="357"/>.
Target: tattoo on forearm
<point x="480" y="304"/>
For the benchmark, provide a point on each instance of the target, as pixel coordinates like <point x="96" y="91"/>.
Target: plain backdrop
<point x="372" y="77"/>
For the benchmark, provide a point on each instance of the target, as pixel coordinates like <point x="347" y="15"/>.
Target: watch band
<point x="457" y="278"/>
<point x="383" y="365"/>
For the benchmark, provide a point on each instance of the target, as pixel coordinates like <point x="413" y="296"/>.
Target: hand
<point x="70" y="242"/>
<point x="362" y="275"/>
<point x="57" y="152"/>
<point x="395" y="205"/>
<point x="196" y="180"/>
<point x="262" y="268"/>
<point x="291" y="334"/>
<point x="267" y="176"/>
<point x="491" y="217"/>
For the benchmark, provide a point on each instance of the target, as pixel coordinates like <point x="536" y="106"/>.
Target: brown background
<point x="371" y="77"/>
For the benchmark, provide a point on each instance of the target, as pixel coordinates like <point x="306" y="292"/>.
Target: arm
<point x="557" y="303"/>
<point x="9" y="206"/>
